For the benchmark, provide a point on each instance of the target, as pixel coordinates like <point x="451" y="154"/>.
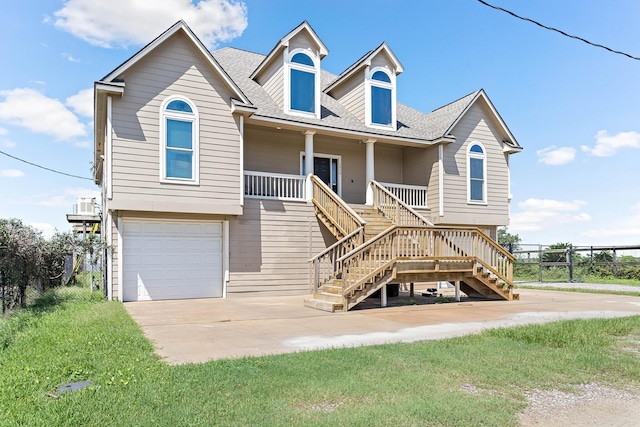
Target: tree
<point x="28" y="259"/>
<point x="603" y="257"/>
<point x="508" y="240"/>
<point x="22" y="255"/>
<point x="557" y="255"/>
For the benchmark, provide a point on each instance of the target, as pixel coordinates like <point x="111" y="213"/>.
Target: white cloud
<point x="64" y="198"/>
<point x="31" y="109"/>
<point x="109" y="23"/>
<point x="7" y="144"/>
<point x="625" y="230"/>
<point x="540" y="214"/>
<point x="67" y="199"/>
<point x="608" y="145"/>
<point x="48" y="230"/>
<point x="82" y="102"/>
<point x="11" y="173"/>
<point x="556" y="155"/>
<point x="82" y="144"/>
<point x="3" y="131"/>
<point x="70" y="57"/>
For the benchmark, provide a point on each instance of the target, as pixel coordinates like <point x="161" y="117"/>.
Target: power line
<point x="560" y="31"/>
<point x="45" y="168"/>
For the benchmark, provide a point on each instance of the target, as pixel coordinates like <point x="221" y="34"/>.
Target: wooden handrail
<point x="373" y="257"/>
<point x="339" y="212"/>
<point x="343" y="241"/>
<point x="394" y="208"/>
<point x="324" y="266"/>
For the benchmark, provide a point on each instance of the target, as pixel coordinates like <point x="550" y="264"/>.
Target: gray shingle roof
<point x="412" y="124"/>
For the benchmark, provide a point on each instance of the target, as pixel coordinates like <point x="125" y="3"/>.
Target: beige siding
<point x="388" y="163"/>
<point x="302" y="41"/>
<point x="415" y="169"/>
<point x="432" y="167"/>
<point x="270" y="245"/>
<point x="351" y="95"/>
<point x="278" y="151"/>
<point x="271" y="150"/>
<point x="382" y="60"/>
<point x="272" y="80"/>
<point x="175" y="68"/>
<point x="475" y="126"/>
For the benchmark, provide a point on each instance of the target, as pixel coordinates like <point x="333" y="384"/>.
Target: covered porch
<point x="277" y="164"/>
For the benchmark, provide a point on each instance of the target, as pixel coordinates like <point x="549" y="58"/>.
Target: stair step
<point x="322" y="305"/>
<point x="325" y="296"/>
<point x="333" y="289"/>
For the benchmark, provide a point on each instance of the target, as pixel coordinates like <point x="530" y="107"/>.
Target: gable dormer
<point x="290" y="73"/>
<point x="368" y="88"/>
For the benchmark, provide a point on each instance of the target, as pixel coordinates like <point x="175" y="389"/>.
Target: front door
<point x="327" y="169"/>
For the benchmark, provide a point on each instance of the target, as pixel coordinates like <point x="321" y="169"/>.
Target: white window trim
<point x="193" y="117"/>
<point x="326" y="156"/>
<point x="287" y="81"/>
<point x="483" y="156"/>
<point x="368" y="83"/>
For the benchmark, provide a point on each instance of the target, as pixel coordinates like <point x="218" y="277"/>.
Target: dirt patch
<point x="589" y="405"/>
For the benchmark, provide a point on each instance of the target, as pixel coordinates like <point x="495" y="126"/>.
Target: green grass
<point x="579" y="290"/>
<point x="70" y="335"/>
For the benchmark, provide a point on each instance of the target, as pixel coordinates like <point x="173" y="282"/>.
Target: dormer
<point x="368" y="88"/>
<point x="290" y="73"/>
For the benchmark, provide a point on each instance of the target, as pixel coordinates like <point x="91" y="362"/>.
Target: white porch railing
<point x="266" y="185"/>
<point x="413" y="195"/>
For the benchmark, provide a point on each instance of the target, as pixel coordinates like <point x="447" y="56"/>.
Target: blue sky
<point x="573" y="107"/>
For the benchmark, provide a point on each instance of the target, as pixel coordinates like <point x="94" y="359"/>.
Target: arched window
<point x="303" y="89"/>
<point x="179" y="140"/>
<point x="477" y="173"/>
<point x="381" y="98"/>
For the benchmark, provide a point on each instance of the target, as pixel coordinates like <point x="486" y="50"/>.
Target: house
<point x="232" y="173"/>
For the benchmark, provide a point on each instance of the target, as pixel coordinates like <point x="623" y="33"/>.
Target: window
<point x="179" y="140"/>
<point x="302" y="86"/>
<point x="381" y="99"/>
<point x="477" y="171"/>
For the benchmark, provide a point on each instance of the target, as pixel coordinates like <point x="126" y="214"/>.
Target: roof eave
<point x="363" y="62"/>
<point x="178" y="26"/>
<point x="284" y="42"/>
<point x="481" y="94"/>
<point x="257" y="118"/>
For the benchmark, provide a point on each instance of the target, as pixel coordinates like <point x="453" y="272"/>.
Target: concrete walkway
<point x="194" y="331"/>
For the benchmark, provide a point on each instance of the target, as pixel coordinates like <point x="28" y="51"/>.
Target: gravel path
<point x="591" y="405"/>
<point x="596" y="286"/>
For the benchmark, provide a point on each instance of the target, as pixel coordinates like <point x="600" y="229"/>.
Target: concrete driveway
<point x="194" y="331"/>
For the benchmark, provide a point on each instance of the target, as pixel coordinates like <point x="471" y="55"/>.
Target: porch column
<point x="458" y="290"/>
<point x="308" y="160"/>
<point x="370" y="169"/>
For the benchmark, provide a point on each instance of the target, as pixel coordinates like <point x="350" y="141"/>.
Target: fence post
<point x="615" y="263"/>
<point x="570" y="254"/>
<point x="540" y="263"/>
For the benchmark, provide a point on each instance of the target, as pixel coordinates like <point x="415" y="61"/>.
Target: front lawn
<point x="70" y="335"/>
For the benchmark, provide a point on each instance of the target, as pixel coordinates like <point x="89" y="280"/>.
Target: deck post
<point x="369" y="169"/>
<point x="383" y="296"/>
<point x="458" y="290"/>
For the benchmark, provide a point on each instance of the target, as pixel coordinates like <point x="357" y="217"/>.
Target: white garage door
<point x="171" y="260"/>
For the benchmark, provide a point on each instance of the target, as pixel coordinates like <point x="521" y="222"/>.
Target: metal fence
<point x="553" y="263"/>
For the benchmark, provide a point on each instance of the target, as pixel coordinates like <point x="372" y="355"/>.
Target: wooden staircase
<point x="390" y="242"/>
